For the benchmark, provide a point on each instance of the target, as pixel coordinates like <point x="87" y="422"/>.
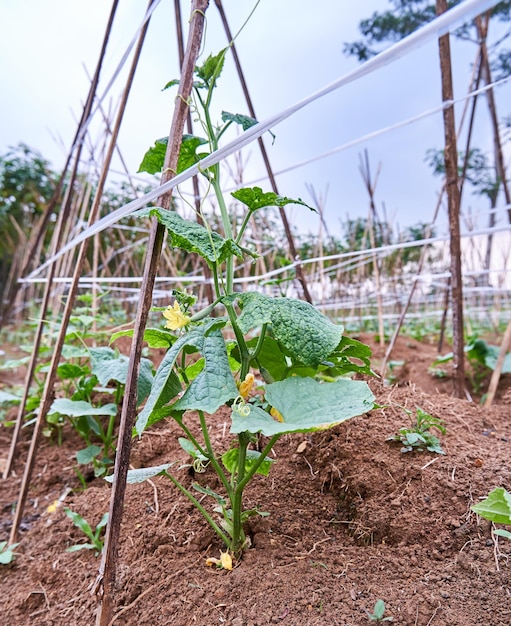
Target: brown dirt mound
<point x="352" y="519"/>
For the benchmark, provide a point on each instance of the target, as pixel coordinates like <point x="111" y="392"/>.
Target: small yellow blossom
<point x="226" y="560"/>
<point x="175" y="317"/>
<point x="246" y="386"/>
<point x="276" y="414"/>
<point x="52" y="507"/>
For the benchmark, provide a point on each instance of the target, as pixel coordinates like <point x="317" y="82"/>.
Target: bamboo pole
<point x="495" y="377"/>
<point x="453" y="201"/>
<point x="107" y="572"/>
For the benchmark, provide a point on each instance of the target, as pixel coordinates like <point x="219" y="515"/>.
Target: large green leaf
<point x="208" y="391"/>
<point x="496" y="507"/>
<point x="308" y="334"/>
<point x="188" y="152"/>
<point x="193" y="237"/>
<point x="77" y="408"/>
<point x="153" y="160"/>
<point x="305" y="406"/>
<point x="255" y="198"/>
<point x="107" y="365"/>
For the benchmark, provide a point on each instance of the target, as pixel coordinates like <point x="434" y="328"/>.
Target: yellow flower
<point x="226" y="560"/>
<point x="246" y="386"/>
<point x="176" y="318"/>
<point x="276" y="414"/>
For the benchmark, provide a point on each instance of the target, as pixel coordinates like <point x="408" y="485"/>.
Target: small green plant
<point x="276" y="363"/>
<point x="438" y="372"/>
<point x="496" y="508"/>
<point x="379" y="612"/>
<point x="418" y="436"/>
<point x="7" y="554"/>
<point x="482" y="358"/>
<point x="94" y="536"/>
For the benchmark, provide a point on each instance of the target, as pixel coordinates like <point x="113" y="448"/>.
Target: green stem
<point x="236" y="502"/>
<point x="260" y="341"/>
<point x="255" y="466"/>
<point x="202" y="510"/>
<point x="212" y="457"/>
<point x="243" y="226"/>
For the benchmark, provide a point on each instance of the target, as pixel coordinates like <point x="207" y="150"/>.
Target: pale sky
<point x="288" y="50"/>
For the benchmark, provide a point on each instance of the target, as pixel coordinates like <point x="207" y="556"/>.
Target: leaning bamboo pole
<point x="47" y="396"/>
<point x="106" y="579"/>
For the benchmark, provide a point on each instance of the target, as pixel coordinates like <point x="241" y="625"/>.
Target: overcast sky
<point x="288" y="50"/>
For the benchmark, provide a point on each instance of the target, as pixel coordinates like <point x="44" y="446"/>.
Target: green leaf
<point x="306" y="406"/>
<point x="87" y="455"/>
<point x="496" y="507"/>
<point x="502" y="533"/>
<point x="8" y="398"/>
<point x="255" y="198"/>
<point x="71" y="370"/>
<point x="142" y="474"/>
<point x="107" y="365"/>
<point x="379" y="609"/>
<point x="171" y="83"/>
<point x="77" y="408"/>
<point x="74" y="352"/>
<point x="350" y="356"/>
<point x="154" y="337"/>
<point x="230" y="461"/>
<point x="209" y="390"/>
<point x="243" y="120"/>
<point x="308" y="334"/>
<point x="193" y="237"/>
<point x="188" y="152"/>
<point x="154" y="158"/>
<point x="271" y="358"/>
<point x="211" y="69"/>
<point x="80" y="523"/>
<point x="191" y="449"/>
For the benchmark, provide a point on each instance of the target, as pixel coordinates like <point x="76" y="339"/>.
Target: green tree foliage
<point x="405" y="17"/>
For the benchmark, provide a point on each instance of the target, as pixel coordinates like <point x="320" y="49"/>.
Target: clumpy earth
<point x="352" y="520"/>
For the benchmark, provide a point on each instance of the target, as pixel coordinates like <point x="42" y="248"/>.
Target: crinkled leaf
<point x="243" y="120"/>
<point x="305" y="406"/>
<point x="77" y="408"/>
<point x="230" y="461"/>
<point x="209" y="492"/>
<point x="209" y="390"/>
<point x="350" y="356"/>
<point x="171" y="83"/>
<point x="496" y="507"/>
<point x="143" y="473"/>
<point x="88" y="454"/>
<point x="154" y="158"/>
<point x="212" y="67"/>
<point x="193" y="237"/>
<point x="255" y="198"/>
<point x="74" y="352"/>
<point x="107" y="365"/>
<point x="308" y="334"/>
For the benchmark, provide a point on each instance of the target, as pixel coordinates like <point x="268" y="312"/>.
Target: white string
<point x="367" y="252"/>
<point x="439" y="26"/>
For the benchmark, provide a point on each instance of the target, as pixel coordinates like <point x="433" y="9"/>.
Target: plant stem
<point x="202" y="510"/>
<point x="236" y="500"/>
<point x="212" y="457"/>
<point x="255" y="466"/>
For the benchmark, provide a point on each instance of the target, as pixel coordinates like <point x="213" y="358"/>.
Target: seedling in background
<point x="300" y="357"/>
<point x="7" y="554"/>
<point x="496" y="508"/>
<point x="378" y="613"/>
<point x="418" y="436"/>
<point x="94" y="536"/>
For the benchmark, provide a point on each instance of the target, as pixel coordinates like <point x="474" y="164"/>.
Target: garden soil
<point x="352" y="520"/>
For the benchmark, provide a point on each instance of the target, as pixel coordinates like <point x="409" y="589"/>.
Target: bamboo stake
<point x="106" y="578"/>
<point x="495" y="377"/>
<point x="48" y="391"/>
<point x="453" y="201"/>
